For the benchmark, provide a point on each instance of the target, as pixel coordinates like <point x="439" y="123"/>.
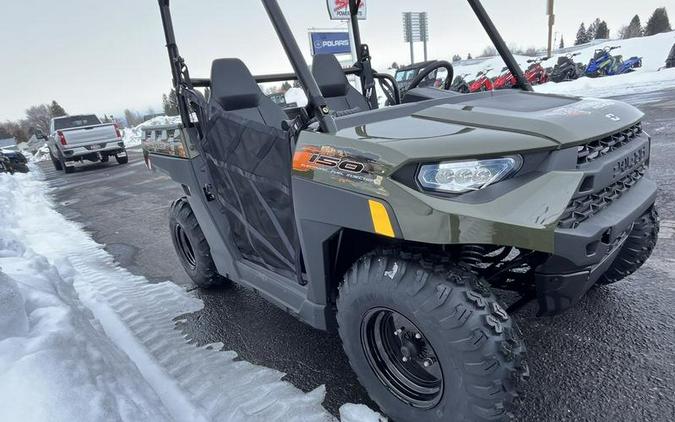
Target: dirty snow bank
<point x="83" y="339"/>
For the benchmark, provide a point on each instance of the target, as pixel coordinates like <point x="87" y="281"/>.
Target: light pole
<point x="551" y="21"/>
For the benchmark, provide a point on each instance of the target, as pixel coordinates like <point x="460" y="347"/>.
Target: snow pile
<point x="83" y="339"/>
<point x="134" y="136"/>
<point x="629" y="83"/>
<point x="42" y="154"/>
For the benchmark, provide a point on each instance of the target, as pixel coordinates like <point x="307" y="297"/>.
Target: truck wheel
<point x="428" y="340"/>
<point x="57" y="163"/>
<point x="62" y="161"/>
<point x="191" y="246"/>
<point x="122" y="160"/>
<point x="636" y="249"/>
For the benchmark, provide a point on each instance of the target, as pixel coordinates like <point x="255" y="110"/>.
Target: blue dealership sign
<point x="330" y="43"/>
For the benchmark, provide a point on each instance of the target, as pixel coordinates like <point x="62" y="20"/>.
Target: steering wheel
<point x="439" y="64"/>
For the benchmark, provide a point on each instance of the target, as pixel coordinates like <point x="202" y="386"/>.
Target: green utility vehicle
<point x="394" y="225"/>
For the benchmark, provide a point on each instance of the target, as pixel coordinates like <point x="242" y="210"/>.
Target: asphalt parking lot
<point x="611" y="358"/>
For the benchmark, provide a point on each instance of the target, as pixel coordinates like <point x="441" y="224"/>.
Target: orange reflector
<point x="380" y="218"/>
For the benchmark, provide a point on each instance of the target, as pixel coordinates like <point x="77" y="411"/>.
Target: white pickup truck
<point x="78" y="138"/>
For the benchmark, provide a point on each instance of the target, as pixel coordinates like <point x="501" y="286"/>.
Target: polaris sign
<point x="339" y="10"/>
<point x="330" y="43"/>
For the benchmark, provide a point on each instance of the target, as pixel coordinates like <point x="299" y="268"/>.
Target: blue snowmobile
<point x="605" y="64"/>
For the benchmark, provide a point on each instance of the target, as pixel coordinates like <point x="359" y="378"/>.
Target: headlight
<point x="465" y="176"/>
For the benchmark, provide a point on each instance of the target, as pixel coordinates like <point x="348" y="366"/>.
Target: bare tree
<point x="39" y="117"/>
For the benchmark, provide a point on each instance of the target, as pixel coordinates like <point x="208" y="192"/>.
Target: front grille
<point x="585" y="207"/>
<point x="601" y="147"/>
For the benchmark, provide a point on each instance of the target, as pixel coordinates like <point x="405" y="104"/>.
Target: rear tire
<point x="475" y="348"/>
<point x="636" y="249"/>
<point x="56" y="162"/>
<point x="122" y="160"/>
<point x="191" y="246"/>
<point x="66" y="168"/>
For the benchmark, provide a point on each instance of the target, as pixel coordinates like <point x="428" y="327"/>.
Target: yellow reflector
<point x="380" y="217"/>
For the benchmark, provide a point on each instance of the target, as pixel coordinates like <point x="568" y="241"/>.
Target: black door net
<point x="250" y="166"/>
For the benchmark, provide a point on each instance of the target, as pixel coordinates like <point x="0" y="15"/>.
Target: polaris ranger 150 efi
<point x="392" y="225"/>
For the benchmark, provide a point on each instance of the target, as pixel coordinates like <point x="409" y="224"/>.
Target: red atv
<point x="505" y="80"/>
<point x="482" y="82"/>
<point x="536" y="74"/>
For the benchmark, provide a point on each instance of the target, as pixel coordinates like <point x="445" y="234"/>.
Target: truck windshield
<point x="76" y="121"/>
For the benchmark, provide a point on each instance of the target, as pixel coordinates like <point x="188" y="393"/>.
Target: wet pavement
<point x="612" y="357"/>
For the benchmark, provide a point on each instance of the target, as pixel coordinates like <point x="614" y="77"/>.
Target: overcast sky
<point x="103" y="57"/>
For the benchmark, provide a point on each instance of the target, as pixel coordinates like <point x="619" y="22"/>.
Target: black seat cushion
<point x="334" y="86"/>
<point x="235" y="90"/>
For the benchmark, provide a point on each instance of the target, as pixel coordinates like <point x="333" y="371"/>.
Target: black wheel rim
<point x="184" y="246"/>
<point x="402" y="358"/>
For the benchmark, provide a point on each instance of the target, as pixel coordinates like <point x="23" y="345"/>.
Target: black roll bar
<point x="499" y="43"/>
<point x="317" y="102"/>
<point x="356" y="30"/>
<point x="178" y="69"/>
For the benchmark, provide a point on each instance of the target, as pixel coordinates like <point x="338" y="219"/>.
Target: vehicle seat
<point x="334" y="86"/>
<point x="235" y="89"/>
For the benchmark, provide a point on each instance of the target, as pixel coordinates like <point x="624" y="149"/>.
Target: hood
<point x="565" y="121"/>
<point x="557" y="121"/>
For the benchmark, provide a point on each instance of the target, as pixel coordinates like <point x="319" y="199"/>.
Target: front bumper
<point x="587" y="251"/>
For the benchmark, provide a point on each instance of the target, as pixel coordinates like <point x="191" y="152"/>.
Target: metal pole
<point x="354" y="28"/>
<point x="174" y="60"/>
<point x="316" y="100"/>
<point x="551" y="21"/>
<point x="500" y="45"/>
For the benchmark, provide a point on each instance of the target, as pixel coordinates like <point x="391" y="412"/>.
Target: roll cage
<point x="317" y="107"/>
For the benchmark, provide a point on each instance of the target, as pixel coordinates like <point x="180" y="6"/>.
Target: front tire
<point x="191" y="246"/>
<point x="636" y="249"/>
<point x="463" y="354"/>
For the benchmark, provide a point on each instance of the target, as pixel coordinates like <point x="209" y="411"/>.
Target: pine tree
<point x="170" y="103"/>
<point x="394" y="66"/>
<point x="592" y="30"/>
<point x="468" y="57"/>
<point x="634" y="28"/>
<point x="602" y="31"/>
<point x="55" y="110"/>
<point x="285" y="86"/>
<point x="658" y="22"/>
<point x="456" y="58"/>
<point x="562" y="43"/>
<point x="581" y="35"/>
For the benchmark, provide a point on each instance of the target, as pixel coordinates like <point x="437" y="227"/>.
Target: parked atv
<point x="460" y="84"/>
<point x="566" y="69"/>
<point x="424" y="74"/>
<point x="505" y="80"/>
<point x="482" y="82"/>
<point x="536" y="73"/>
<point x="393" y="226"/>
